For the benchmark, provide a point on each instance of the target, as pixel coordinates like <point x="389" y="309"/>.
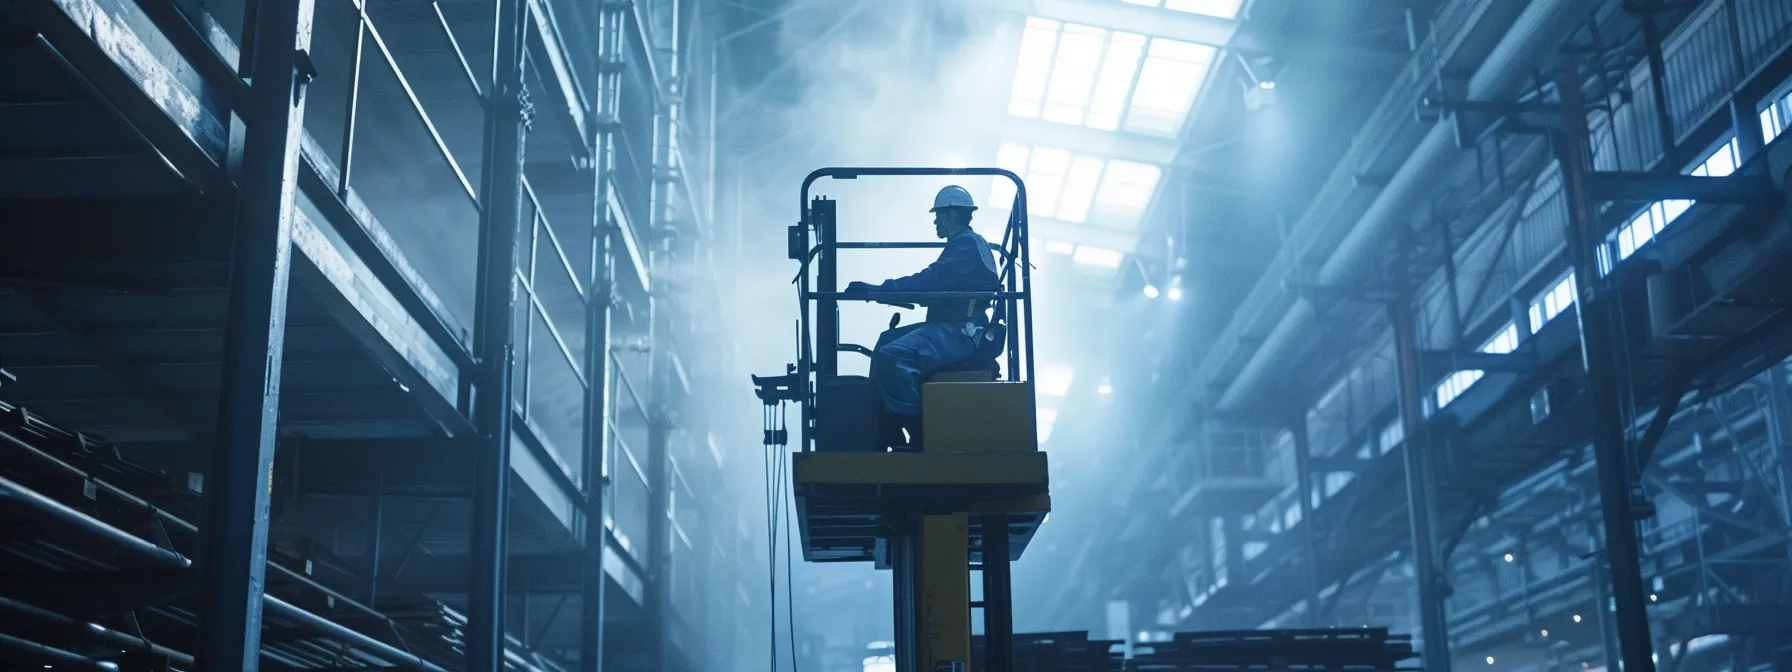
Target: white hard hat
<point x="953" y="196"/>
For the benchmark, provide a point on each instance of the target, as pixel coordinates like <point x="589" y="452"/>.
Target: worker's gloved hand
<point x="859" y="289"/>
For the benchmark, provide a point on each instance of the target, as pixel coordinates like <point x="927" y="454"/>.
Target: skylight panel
<point x="1171" y="75"/>
<point x="1036" y="47"/>
<point x="1225" y="9"/>
<point x="1012" y="157"/>
<point x="1722" y="163"/>
<point x="1110" y="80"/>
<point x="1504" y="342"/>
<point x="1650" y="222"/>
<point x="1551" y="303"/>
<point x="1456" y="384"/>
<point x="1045" y="180"/>
<point x="1098" y="256"/>
<point x="1115" y="81"/>
<point x="1079" y="189"/>
<point x="1125" y="191"/>
<point x="1776" y="118"/>
<point x="1076" y="188"/>
<point x="1073" y="73"/>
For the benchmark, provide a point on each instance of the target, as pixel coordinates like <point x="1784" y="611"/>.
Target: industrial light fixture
<point x="1545" y="632"/>
<point x="1259" y="89"/>
<point x="1105" y="388"/>
<point x="1577" y="618"/>
<point x="1490" y="660"/>
<point x="1150" y="291"/>
<point x="1508" y="557"/>
<point x="1176" y="288"/>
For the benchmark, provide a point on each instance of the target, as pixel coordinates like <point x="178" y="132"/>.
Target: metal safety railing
<point x="819" y="296"/>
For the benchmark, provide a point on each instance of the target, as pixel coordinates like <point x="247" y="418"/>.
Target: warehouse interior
<point x="417" y="334"/>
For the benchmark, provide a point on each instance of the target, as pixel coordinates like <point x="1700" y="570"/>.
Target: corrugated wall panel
<point x="1701" y="68"/>
<point x="1766" y="27"/>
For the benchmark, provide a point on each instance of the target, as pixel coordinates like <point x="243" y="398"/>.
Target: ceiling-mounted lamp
<point x="1150" y="290"/>
<point x="1259" y="91"/>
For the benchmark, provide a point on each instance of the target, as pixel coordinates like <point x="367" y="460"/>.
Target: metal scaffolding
<point x="468" y="354"/>
<point x="1498" y="433"/>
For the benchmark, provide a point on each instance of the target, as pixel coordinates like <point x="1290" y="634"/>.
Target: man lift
<point x="975" y="492"/>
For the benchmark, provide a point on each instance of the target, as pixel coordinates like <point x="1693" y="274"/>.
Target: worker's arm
<point x="958" y="259"/>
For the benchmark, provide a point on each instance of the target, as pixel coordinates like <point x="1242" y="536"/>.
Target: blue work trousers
<point x="926" y="348"/>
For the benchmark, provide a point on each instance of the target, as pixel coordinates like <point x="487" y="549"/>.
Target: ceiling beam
<point x="1148" y="21"/>
<point x="1050" y="228"/>
<point x="1156" y="151"/>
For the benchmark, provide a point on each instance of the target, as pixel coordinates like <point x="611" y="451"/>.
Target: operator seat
<point x="982" y="365"/>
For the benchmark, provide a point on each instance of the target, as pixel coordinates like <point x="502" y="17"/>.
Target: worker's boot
<point x="889" y="432"/>
<point x="911" y="424"/>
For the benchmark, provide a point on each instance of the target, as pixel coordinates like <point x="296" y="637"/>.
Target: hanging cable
<point x="789" y="558"/>
<point x="770" y="468"/>
<point x="777" y="486"/>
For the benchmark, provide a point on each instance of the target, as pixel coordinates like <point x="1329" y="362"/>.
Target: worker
<point x="950" y="332"/>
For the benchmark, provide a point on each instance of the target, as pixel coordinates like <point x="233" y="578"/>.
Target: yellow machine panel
<point x="962" y="417"/>
<point x="945" y="592"/>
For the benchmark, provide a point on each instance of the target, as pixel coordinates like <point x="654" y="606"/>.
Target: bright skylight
<point x="1047" y="419"/>
<point x="1098" y="256"/>
<point x="1646" y="224"/>
<point x="1109" y="80"/>
<point x="1391" y="436"/>
<point x="1055" y="380"/>
<point x="1776" y="118"/>
<point x="1225" y="9"/>
<point x="1502" y="343"/>
<point x="1551" y="303"/>
<point x="1076" y="188"/>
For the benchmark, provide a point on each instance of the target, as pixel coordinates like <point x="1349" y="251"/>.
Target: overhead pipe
<point x="1542" y="25"/>
<point x="273" y="604"/>
<point x="19" y="611"/>
<point x="377" y="648"/>
<point x="178" y="523"/>
<point x="93" y="527"/>
<point x="34" y="651"/>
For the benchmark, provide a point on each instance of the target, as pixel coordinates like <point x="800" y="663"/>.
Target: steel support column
<point x="1416" y="456"/>
<point x="1658" y="74"/>
<point x="1608" y="642"/>
<point x="494" y="328"/>
<point x="1777" y="435"/>
<point x="1303" y="479"/>
<point x="376" y="529"/>
<point x="1747" y="123"/>
<point x="1599" y="341"/>
<point x="234" y="554"/>
<point x="664" y="196"/>
<point x="600" y="296"/>
<point x="998" y="597"/>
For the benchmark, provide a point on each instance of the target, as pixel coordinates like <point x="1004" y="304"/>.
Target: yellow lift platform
<point x="970" y="499"/>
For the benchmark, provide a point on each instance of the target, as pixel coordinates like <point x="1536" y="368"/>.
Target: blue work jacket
<point x="965" y="265"/>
